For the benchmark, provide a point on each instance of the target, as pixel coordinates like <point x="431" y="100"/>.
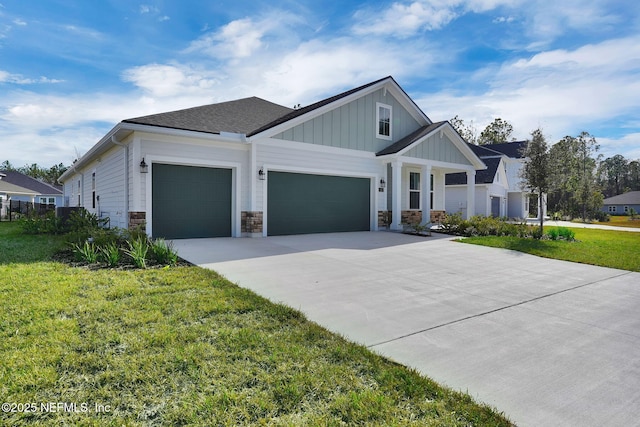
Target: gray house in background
<point x="38" y="191"/>
<point x="622" y="203"/>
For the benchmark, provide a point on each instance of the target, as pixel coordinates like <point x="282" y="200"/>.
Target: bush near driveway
<point x="183" y="346"/>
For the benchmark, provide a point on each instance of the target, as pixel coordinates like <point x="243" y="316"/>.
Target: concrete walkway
<point x="550" y="343"/>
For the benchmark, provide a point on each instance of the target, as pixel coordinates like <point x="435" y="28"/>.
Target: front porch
<point x="418" y="187"/>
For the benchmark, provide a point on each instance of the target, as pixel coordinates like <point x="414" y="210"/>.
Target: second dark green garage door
<point x="190" y="202"/>
<point x="303" y="203"/>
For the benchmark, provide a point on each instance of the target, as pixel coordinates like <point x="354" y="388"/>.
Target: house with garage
<point x="499" y="190"/>
<point x="365" y="159"/>
<point x="622" y="204"/>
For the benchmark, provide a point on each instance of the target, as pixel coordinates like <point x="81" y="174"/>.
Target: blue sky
<point x="70" y="70"/>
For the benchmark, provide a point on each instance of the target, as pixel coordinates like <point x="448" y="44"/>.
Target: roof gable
<point x="30" y="183"/>
<point x="241" y="116"/>
<point x="8" y="188"/>
<point x="309" y="112"/>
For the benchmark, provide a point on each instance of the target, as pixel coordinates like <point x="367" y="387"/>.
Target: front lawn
<point x="183" y="346"/>
<point x="621" y="221"/>
<point x="615" y="249"/>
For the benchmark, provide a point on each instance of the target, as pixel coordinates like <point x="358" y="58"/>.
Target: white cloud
<point x="171" y="80"/>
<point x="405" y="19"/>
<point x="19" y="22"/>
<point x="562" y="91"/>
<point x="6" y="77"/>
<point x="145" y="8"/>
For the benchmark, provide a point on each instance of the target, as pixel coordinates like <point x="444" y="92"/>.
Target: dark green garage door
<point x="300" y="204"/>
<point x="190" y="202"/>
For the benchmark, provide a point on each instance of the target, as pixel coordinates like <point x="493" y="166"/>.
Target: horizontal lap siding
<point x="296" y="158"/>
<point x="110" y="180"/>
<point x="182" y="151"/>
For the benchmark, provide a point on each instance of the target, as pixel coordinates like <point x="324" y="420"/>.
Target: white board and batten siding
<point x="440" y="148"/>
<point x="353" y="125"/>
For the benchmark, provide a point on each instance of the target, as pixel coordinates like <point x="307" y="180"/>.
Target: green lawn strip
<point x="18" y="247"/>
<point x="183" y="346"/>
<point x="620" y="221"/>
<point x="615" y="249"/>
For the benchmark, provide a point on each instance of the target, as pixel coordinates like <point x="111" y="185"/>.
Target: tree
<point x="574" y="188"/>
<point x="613" y="175"/>
<point x="468" y="132"/>
<point x="535" y="172"/>
<point x="497" y="132"/>
<point x="48" y="175"/>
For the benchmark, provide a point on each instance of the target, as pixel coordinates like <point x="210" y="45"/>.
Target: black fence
<point x="15" y="209"/>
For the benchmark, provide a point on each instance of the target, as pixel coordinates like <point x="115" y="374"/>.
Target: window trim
<point x="93" y="190"/>
<point x="379" y="135"/>
<point x="612" y="208"/>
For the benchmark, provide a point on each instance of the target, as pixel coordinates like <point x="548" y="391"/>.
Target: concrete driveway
<point x="548" y="342"/>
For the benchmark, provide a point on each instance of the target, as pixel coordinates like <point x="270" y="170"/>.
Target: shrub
<point x="110" y="254"/>
<point x="163" y="252"/>
<point x="566" y="234"/>
<point x="137" y="251"/>
<point x="553" y="234"/>
<point x="86" y="252"/>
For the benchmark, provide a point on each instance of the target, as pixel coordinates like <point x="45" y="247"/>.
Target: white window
<point x="626" y="209"/>
<point x="383" y="120"/>
<point x="414" y="190"/>
<point x="78" y="193"/>
<point x="612" y="208"/>
<point x="93" y="190"/>
<point x="43" y="200"/>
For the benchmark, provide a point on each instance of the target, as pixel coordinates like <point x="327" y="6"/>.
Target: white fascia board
<point x="127" y="128"/>
<point x="93" y="152"/>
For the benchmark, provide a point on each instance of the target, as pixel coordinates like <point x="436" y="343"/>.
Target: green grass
<point x="615" y="249"/>
<point x="183" y="346"/>
<point x="621" y="221"/>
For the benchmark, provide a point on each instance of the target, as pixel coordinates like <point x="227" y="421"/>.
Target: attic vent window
<point x="383" y="120"/>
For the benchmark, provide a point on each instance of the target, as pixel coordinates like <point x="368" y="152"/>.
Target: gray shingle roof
<point x="630" y="198"/>
<point x="7" y="187"/>
<point x="484" y="176"/>
<point x="409" y="139"/>
<point x="509" y="149"/>
<point x="25" y="181"/>
<point x="240" y="116"/>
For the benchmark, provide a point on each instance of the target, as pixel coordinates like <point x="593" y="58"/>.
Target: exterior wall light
<point x="383" y="183"/>
<point x="144" y="167"/>
<point x="261" y="175"/>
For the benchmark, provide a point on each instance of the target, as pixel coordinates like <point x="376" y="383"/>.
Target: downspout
<point x="126" y="177"/>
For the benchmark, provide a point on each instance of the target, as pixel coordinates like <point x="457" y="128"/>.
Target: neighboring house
<point x="499" y="188"/>
<point x="622" y="203"/>
<point x="250" y="167"/>
<point x="44" y="193"/>
<point x="9" y="192"/>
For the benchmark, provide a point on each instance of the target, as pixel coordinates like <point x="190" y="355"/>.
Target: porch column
<point x="396" y="195"/>
<point x="471" y="193"/>
<point x="425" y="186"/>
<point x="438" y="191"/>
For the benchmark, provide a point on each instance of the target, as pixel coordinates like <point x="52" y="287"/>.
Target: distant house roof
<point x="8" y="188"/>
<point x="240" y="116"/>
<point x="32" y="184"/>
<point x="409" y="139"/>
<point x="630" y="198"/>
<point x="484" y="176"/>
<point x="510" y="149"/>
